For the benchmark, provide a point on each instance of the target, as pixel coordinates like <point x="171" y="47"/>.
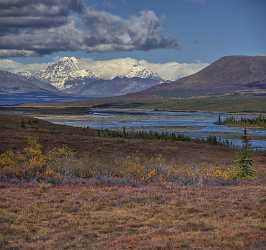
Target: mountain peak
<point x="60" y="71"/>
<point x="139" y="71"/>
<point x="72" y="59"/>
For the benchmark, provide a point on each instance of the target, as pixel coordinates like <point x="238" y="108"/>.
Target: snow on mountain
<point x="66" y="68"/>
<point x="139" y="71"/>
<point x="78" y="76"/>
<point x="71" y="68"/>
<point x="126" y="67"/>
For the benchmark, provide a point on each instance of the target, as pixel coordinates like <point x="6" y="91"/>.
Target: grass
<point x="228" y="103"/>
<point x="150" y="217"/>
<point x="224" y="103"/>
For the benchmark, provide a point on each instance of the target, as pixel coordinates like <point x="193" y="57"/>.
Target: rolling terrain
<point x="227" y="75"/>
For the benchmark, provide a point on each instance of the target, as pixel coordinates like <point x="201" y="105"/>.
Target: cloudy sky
<point x="156" y="30"/>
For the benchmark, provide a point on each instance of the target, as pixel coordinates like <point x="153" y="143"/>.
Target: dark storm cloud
<point x="39" y="7"/>
<point x="36" y="13"/>
<point x="30" y="27"/>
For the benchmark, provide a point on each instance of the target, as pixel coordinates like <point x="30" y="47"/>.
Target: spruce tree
<point x="244" y="163"/>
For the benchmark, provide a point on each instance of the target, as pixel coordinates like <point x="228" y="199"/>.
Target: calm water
<point x="193" y="124"/>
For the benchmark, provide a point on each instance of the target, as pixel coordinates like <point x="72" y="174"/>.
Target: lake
<point x="192" y="124"/>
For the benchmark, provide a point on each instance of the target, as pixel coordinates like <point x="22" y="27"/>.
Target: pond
<point x="192" y="124"/>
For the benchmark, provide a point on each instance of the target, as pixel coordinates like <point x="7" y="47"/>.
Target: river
<point x="192" y="124"/>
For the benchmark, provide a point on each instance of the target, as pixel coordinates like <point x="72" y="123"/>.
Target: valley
<point x="132" y="125"/>
<point x="123" y="153"/>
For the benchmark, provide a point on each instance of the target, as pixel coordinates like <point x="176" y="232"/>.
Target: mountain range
<point x="83" y="77"/>
<point x="77" y="77"/>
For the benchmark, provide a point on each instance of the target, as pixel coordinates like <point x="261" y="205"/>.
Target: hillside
<point x="227" y="75"/>
<point x="13" y="83"/>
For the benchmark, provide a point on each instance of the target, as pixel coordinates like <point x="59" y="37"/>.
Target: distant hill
<point x="13" y="83"/>
<point x="107" y="88"/>
<point x="227" y="75"/>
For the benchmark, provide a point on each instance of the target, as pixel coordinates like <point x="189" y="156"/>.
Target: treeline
<point x="166" y="136"/>
<point x="259" y="121"/>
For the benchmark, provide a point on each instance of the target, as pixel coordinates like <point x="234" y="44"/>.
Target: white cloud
<point x="15" y="67"/>
<point x="173" y="70"/>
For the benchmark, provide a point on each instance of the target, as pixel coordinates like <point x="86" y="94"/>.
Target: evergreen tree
<point x="244" y="163"/>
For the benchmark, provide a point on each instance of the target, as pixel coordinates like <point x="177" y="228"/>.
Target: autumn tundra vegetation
<point x="33" y="163"/>
<point x="78" y="188"/>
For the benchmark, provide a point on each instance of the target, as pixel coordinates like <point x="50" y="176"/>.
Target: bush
<point x="32" y="162"/>
<point x="144" y="170"/>
<point x="9" y="165"/>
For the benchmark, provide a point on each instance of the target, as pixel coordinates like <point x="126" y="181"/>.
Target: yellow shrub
<point x="142" y="169"/>
<point x="223" y="173"/>
<point x="33" y="162"/>
<point x="8" y="164"/>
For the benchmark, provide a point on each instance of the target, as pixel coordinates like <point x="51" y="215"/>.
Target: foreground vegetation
<point x="127" y="217"/>
<point x="117" y="192"/>
<point x="61" y="163"/>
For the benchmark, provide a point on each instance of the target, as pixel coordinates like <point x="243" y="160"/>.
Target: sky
<point x="190" y="31"/>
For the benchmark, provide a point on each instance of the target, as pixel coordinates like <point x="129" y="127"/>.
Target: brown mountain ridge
<point x="225" y="76"/>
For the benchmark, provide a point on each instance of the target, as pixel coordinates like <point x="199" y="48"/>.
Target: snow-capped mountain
<point x="85" y="77"/>
<point x="71" y="69"/>
<point x="138" y="71"/>
<point x="66" y="68"/>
